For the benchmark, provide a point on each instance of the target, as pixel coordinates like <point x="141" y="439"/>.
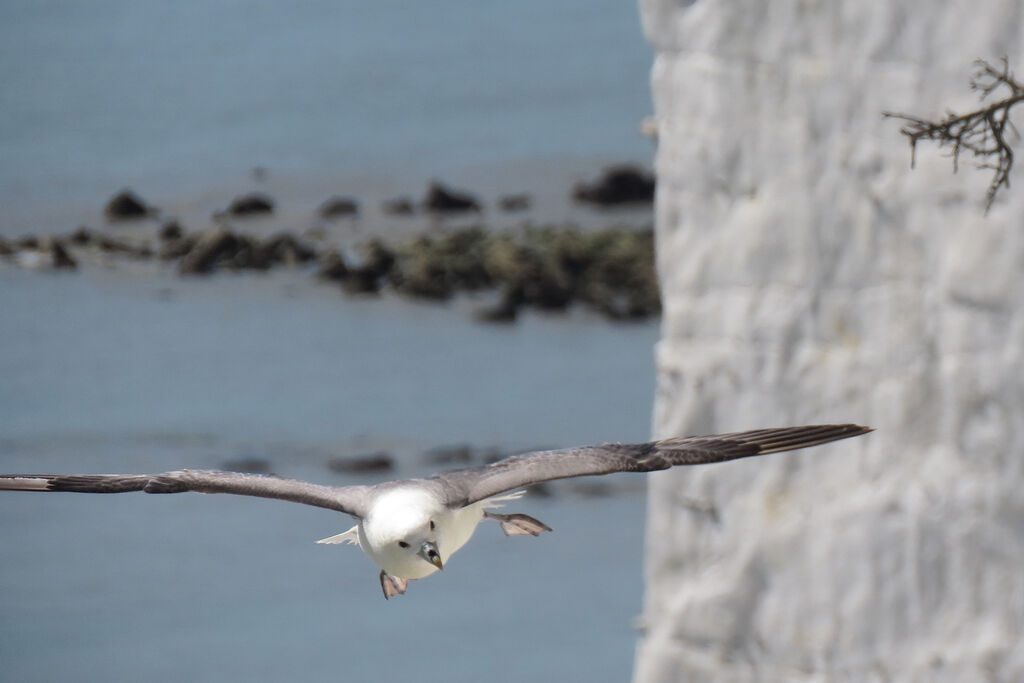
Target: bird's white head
<point x="401" y="534"/>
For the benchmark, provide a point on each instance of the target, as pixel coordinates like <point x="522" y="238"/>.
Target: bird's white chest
<point x="405" y="514"/>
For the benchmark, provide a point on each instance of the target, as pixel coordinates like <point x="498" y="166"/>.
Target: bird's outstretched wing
<point x="463" y="487"/>
<point x="348" y="499"/>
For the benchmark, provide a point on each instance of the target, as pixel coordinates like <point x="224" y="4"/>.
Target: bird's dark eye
<point x="403" y="544"/>
<point x="431" y="525"/>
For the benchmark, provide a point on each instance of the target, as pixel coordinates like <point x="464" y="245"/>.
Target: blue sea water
<point x="130" y="368"/>
<point x="103" y="371"/>
<point x="174" y="99"/>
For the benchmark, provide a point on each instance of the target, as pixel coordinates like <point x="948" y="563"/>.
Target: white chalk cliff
<point x="809" y="275"/>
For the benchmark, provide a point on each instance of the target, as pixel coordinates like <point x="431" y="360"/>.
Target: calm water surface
<point x="181" y="100"/>
<point x="109" y="371"/>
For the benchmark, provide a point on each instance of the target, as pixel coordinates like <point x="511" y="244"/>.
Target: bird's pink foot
<point x="392" y="585"/>
<point x="518" y="524"/>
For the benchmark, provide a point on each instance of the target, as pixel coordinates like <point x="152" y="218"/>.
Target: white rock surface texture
<point x="810" y="275"/>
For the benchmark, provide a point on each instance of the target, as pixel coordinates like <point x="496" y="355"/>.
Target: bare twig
<point x="982" y="132"/>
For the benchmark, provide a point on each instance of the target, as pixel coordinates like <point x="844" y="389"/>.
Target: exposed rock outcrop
<point x="126" y="205"/>
<point x="617" y="186"/>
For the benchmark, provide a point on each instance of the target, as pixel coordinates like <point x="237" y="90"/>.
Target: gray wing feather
<point x="463" y="487"/>
<point x="348" y="499"/>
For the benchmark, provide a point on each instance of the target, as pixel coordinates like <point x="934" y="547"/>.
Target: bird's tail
<point x="495" y="502"/>
<point x="350" y="536"/>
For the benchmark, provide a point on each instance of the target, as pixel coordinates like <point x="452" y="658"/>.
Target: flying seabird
<point x="412" y="527"/>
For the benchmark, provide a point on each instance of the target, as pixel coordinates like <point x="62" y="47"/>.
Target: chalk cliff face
<point x="809" y="275"/>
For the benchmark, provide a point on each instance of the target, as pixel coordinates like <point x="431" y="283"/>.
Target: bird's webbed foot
<point x="518" y="524"/>
<point x="392" y="585"/>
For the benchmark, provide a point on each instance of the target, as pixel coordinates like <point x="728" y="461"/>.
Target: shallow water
<point x="105" y="370"/>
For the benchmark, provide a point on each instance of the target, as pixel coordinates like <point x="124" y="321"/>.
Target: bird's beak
<point x="428" y="551"/>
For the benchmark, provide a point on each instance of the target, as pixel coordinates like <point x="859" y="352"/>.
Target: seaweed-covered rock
<point x="423" y="273"/>
<point x="441" y="199"/>
<point x="377" y="262"/>
<point x="126" y="205"/>
<point x="435" y="268"/>
<point x="621" y="280"/>
<point x="222" y="248"/>
<point x="378" y="258"/>
<point x="617" y="185"/>
<point x="177" y="247"/>
<point x="531" y="275"/>
<point x="339" y="207"/>
<point x="465" y="254"/>
<point x="332" y="266"/>
<point x="287" y="249"/>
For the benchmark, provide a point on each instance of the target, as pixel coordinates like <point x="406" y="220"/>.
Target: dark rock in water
<point x="210" y="250"/>
<point x="448" y="455"/>
<point x="126" y="205"/>
<point x="32" y="252"/>
<point x="515" y="202"/>
<point x="250" y="465"/>
<point x="251" y="205"/>
<point x="378" y="260"/>
<point x="112" y="245"/>
<point x="332" y="266"/>
<point x="339" y="207"/>
<point x="373" y="462"/>
<point x="550" y="268"/>
<point x="176" y="248"/>
<point x="287" y="249"/>
<point x="422" y="274"/>
<point x="436" y="268"/>
<point x="361" y="281"/>
<point x="171" y="230"/>
<point x="59" y="256"/>
<point x="539" y="283"/>
<point x="620" y="280"/>
<point x="399" y="206"/>
<point x="617" y="185"/>
<point x="441" y="199"/>
<point x="464" y="254"/>
<point x="529" y="272"/>
<point x="81" y="237"/>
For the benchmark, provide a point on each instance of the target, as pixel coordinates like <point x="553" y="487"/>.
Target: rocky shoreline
<point x="543" y="267"/>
